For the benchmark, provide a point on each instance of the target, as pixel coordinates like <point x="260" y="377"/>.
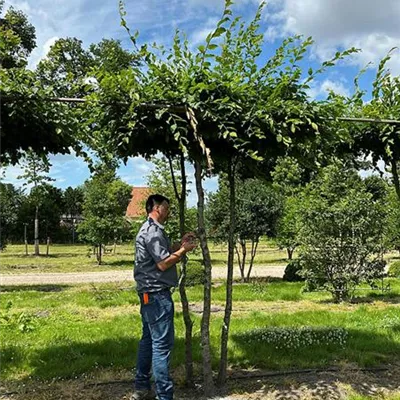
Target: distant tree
<point x="11" y="199"/>
<point x="17" y="38"/>
<point x="73" y="203"/>
<point x="36" y="171"/>
<point x="393" y="220"/>
<point x="288" y="226"/>
<point x="106" y="198"/>
<point x="258" y="207"/>
<point x="341" y="234"/>
<point x="289" y="178"/>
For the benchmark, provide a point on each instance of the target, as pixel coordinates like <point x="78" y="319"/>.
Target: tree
<point x="65" y="67"/>
<point x="218" y="105"/>
<point x="17" y="38"/>
<point x="10" y="203"/>
<point x="289" y="179"/>
<point x="288" y="225"/>
<point x="342" y="233"/>
<point x="27" y="122"/>
<point x="105" y="201"/>
<point x="36" y="171"/>
<point x="73" y="203"/>
<point x="258" y="207"/>
<point x="393" y="221"/>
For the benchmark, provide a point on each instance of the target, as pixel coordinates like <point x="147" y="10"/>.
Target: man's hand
<point x="189" y="245"/>
<point x="189" y="237"/>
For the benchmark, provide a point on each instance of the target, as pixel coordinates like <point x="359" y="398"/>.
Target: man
<point x="155" y="274"/>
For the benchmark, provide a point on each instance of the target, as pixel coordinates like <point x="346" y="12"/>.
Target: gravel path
<point x="116" y="276"/>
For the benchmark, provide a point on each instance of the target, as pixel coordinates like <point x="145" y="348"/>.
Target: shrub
<point x="194" y="273"/>
<point x="292" y="271"/>
<point x="394" y="269"/>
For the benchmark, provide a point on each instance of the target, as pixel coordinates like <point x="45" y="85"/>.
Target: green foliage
<point x="342" y="233"/>
<point x="26" y="121"/>
<point x="393" y="221"/>
<point x="10" y="200"/>
<point x="218" y="97"/>
<point x="293" y="271"/>
<point x="258" y="206"/>
<point x="194" y="273"/>
<point x="17" y="39"/>
<point x="288" y="227"/>
<point x="21" y="321"/>
<point x="394" y="269"/>
<point x="70" y="69"/>
<point x="73" y="200"/>
<point x="289" y="176"/>
<point x="378" y="141"/>
<point x="105" y="201"/>
<point x="29" y="123"/>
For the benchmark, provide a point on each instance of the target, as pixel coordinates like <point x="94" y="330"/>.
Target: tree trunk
<point x="182" y="290"/>
<point x="25" y="240"/>
<point x="254" y="245"/>
<point x="99" y="254"/>
<point x="396" y="179"/>
<point x="37" y="252"/>
<point x="48" y="247"/>
<point x="244" y="255"/>
<point x="290" y="251"/>
<point x="241" y="267"/>
<point x="229" y="279"/>
<point x="205" y="321"/>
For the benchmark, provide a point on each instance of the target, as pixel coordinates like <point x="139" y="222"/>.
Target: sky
<point x="370" y="25"/>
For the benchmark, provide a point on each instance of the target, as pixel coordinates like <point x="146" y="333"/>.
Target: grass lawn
<point x="78" y="258"/>
<point x="274" y="326"/>
<point x="53" y="332"/>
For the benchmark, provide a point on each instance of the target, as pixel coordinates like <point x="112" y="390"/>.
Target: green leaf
<point x="218" y="32"/>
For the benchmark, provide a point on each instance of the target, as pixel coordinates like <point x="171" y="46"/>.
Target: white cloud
<point x="199" y="35"/>
<point x="322" y="89"/>
<point x="366" y="24"/>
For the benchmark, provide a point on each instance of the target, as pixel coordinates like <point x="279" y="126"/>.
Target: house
<point x="136" y="207"/>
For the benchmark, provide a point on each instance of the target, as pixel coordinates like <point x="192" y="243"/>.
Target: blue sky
<point x="334" y="24"/>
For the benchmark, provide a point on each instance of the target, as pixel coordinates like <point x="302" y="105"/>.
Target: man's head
<point x="157" y="207"/>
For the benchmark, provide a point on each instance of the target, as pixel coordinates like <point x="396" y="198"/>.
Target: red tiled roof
<point x="136" y="207"/>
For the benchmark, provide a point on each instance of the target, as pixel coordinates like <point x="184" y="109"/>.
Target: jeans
<point x="156" y="344"/>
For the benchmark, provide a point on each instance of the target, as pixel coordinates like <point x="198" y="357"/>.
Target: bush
<point x="394" y="269"/>
<point x="194" y="273"/>
<point x="292" y="271"/>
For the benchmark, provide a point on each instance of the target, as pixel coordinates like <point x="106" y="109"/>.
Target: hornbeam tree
<point x="221" y="107"/>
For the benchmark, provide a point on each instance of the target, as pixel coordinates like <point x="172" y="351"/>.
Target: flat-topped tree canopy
<point x="220" y="97"/>
<point x="27" y="124"/>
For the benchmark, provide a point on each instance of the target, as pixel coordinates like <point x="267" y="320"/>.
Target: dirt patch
<point x="242" y="385"/>
<point x="198" y="308"/>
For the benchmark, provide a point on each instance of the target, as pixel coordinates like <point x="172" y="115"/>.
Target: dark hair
<point x="154" y="199"/>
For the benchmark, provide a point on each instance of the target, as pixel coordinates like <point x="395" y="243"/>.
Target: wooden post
<point x="25" y="239"/>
